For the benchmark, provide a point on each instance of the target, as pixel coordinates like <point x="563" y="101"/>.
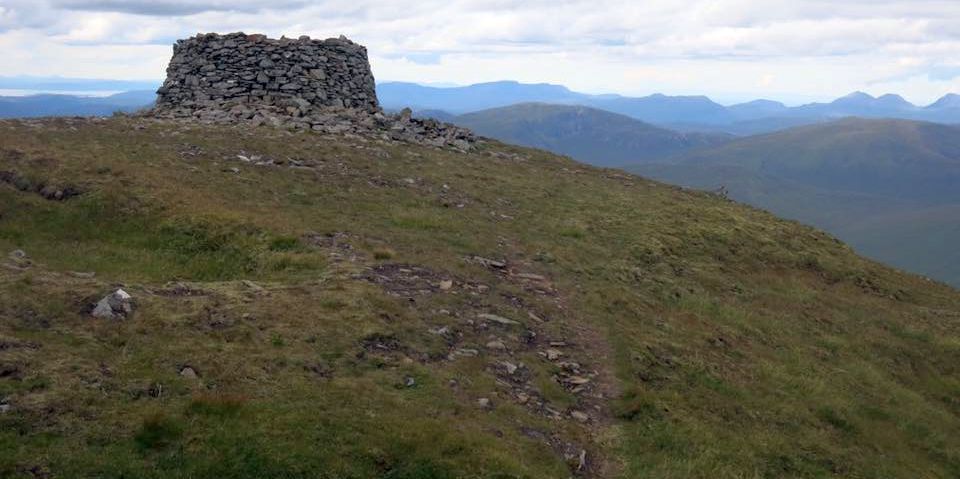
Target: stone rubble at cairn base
<point x="320" y="85"/>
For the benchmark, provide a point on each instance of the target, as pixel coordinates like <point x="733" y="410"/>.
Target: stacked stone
<point x="324" y="86"/>
<point x="210" y="70"/>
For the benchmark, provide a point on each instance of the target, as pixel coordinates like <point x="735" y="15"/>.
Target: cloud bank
<point x="729" y="49"/>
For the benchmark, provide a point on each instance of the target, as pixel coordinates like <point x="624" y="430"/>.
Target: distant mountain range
<point x="73" y="105"/>
<point x="887" y="187"/>
<point x="680" y="113"/>
<point x="687" y="113"/>
<point x="588" y="134"/>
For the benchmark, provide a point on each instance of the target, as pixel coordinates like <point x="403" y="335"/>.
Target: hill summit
<point x="323" y="85"/>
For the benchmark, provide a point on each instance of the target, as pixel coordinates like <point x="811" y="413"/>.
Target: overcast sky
<point x="793" y="50"/>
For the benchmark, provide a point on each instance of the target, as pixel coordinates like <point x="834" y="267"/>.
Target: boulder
<point x="116" y="305"/>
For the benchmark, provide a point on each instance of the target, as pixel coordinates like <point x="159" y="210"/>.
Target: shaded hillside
<point x="587" y="134"/>
<point x="903" y="159"/>
<point x="867" y="181"/>
<point x="338" y="306"/>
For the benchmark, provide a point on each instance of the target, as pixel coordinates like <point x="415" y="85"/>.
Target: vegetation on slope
<point x="887" y="187"/>
<point x="333" y="307"/>
<point x="594" y="136"/>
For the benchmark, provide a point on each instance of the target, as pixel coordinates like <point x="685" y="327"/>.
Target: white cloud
<point x="770" y="48"/>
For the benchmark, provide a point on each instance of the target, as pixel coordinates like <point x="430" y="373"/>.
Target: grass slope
<point x="311" y="297"/>
<point x="587" y="134"/>
<point x="887" y="187"/>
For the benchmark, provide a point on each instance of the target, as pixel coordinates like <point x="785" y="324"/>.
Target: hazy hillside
<point x="481" y="96"/>
<point x="73" y="105"/>
<point x="888" y="187"/>
<point x="322" y="306"/>
<point x="668" y="109"/>
<point x="591" y="135"/>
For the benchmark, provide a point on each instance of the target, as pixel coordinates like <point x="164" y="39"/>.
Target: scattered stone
<point x="116" y="305"/>
<point x="46" y="191"/>
<point x="403" y="279"/>
<point x="485" y="403"/>
<point x="82" y="275"/>
<point x="409" y="381"/>
<point x="553" y="413"/>
<point x="497" y="319"/>
<point x="719" y="342"/>
<point x="510" y="367"/>
<point x="466" y="353"/>
<point x="530" y="276"/>
<point x="553" y="354"/>
<point x="490" y="263"/>
<point x="576" y="380"/>
<point x="5" y="408"/>
<point x="497" y="345"/>
<point x="523" y="398"/>
<point x="446" y="285"/>
<point x="570" y="366"/>
<point x="18" y="260"/>
<point x="188" y="373"/>
<point x="441" y="331"/>
<point x="579" y="416"/>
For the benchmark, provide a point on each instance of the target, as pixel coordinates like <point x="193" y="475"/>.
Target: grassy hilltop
<point x="313" y="306"/>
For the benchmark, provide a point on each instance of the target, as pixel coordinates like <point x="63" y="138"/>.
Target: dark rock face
<point x="210" y="70"/>
<point x="324" y="86"/>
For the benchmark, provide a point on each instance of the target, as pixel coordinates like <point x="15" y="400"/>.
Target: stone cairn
<point x="322" y="85"/>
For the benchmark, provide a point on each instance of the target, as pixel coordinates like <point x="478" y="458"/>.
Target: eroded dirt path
<point x="518" y="321"/>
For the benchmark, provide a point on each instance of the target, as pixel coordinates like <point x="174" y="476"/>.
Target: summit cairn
<point x="321" y="85"/>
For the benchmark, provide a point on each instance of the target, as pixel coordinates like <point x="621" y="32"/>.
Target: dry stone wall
<point x="320" y="85"/>
<point x="211" y="69"/>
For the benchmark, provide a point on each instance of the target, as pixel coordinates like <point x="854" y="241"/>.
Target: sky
<point x="731" y="50"/>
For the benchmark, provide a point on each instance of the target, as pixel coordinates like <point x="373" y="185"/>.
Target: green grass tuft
<point x="158" y="431"/>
